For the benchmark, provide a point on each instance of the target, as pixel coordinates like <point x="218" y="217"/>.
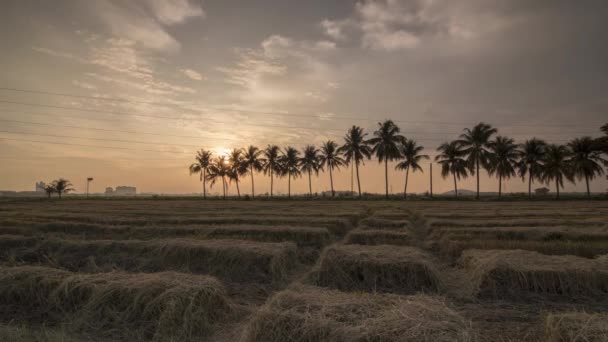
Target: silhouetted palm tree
<point x="355" y="149"/>
<point x="410" y="153"/>
<point x="452" y="162"/>
<point x="556" y="166"/>
<point x="585" y="160"/>
<point x="252" y="160"/>
<point x="290" y="161"/>
<point x="475" y="142"/>
<point x="62" y="186"/>
<point x="272" y="163"/>
<point x="531" y="161"/>
<point x="237" y="168"/>
<point x="49" y="189"/>
<point x="503" y="159"/>
<point x="309" y="163"/>
<point x="201" y="166"/>
<point x="603" y="141"/>
<point x="331" y="159"/>
<point x="385" y="145"/>
<point x="218" y="170"/>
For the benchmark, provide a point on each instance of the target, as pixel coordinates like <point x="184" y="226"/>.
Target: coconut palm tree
<point x="49" y="189"/>
<point x="252" y="159"/>
<point x="290" y="161"/>
<point x="330" y="158"/>
<point x="585" y="160"/>
<point x="62" y="186"/>
<point x="385" y="145"/>
<point x="201" y="166"/>
<point x="531" y="161"/>
<point x="410" y="153"/>
<point x="356" y="150"/>
<point x="504" y="156"/>
<point x="451" y="159"/>
<point x="556" y="166"/>
<point x="475" y="143"/>
<point x="236" y="168"/>
<point x="272" y="163"/>
<point x="218" y="170"/>
<point x="309" y="163"/>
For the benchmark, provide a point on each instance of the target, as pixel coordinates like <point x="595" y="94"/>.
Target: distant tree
<point x="219" y="170"/>
<point x="309" y="163"/>
<point x="252" y="159"/>
<point x="585" y="160"/>
<point x="451" y="159"/>
<point x="330" y="158"/>
<point x="290" y="161"/>
<point x="531" y="161"/>
<point x="356" y="150"/>
<point x="475" y="143"/>
<point x="201" y="166"/>
<point x="62" y="186"/>
<point x="542" y="191"/>
<point x="385" y="145"/>
<point x="237" y="168"/>
<point x="410" y="152"/>
<point x="49" y="189"/>
<point x="556" y="166"/>
<point x="272" y="164"/>
<point x="503" y="158"/>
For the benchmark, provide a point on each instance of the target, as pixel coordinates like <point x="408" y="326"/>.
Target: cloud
<point x="175" y="11"/>
<point x="333" y="29"/>
<point x="192" y="74"/>
<point x="84" y="85"/>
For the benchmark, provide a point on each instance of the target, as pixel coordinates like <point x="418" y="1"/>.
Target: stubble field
<point x="193" y="270"/>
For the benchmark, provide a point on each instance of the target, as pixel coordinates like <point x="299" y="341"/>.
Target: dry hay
<point x="576" y="327"/>
<point x="382" y="268"/>
<point x="155" y="306"/>
<point x="518" y="273"/>
<point x="540" y="233"/>
<point x="307" y="313"/>
<point x="232" y="259"/>
<point x="378" y="237"/>
<point x="523" y="222"/>
<point x="380" y="223"/>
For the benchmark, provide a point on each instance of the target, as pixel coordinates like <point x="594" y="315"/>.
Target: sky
<point x="127" y="91"/>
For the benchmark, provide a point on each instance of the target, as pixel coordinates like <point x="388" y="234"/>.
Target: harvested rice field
<point x="194" y="270"/>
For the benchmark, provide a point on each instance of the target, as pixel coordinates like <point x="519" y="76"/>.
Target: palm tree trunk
<point x="358" y="180"/>
<point x="499" y="185"/>
<point x="557" y="187"/>
<point x="252" y="187"/>
<point x="224" y="186"/>
<point x="386" y="176"/>
<point x="204" y="184"/>
<point x="289" y="185"/>
<point x="477" y="166"/>
<point x="588" y="192"/>
<point x="271" y="183"/>
<point x="238" y="191"/>
<point x="331" y="182"/>
<point x="407" y="172"/>
<point x="309" y="184"/>
<point x="530" y="185"/>
<point x="455" y="186"/>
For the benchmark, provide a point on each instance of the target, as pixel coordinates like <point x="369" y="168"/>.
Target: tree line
<point x="59" y="186"/>
<point x="477" y="149"/>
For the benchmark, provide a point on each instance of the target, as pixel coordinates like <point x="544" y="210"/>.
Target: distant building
<point x="40" y="186"/>
<point x="121" y="191"/>
<point x="109" y="191"/>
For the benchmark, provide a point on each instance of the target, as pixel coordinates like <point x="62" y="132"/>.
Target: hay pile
<point x="307" y="313"/>
<point x="232" y="259"/>
<point x="383" y="268"/>
<point x="379" y="237"/>
<point x="155" y="306"/>
<point x="518" y="273"/>
<point x="576" y="326"/>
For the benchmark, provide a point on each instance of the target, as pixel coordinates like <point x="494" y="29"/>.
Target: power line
<point x="85" y="145"/>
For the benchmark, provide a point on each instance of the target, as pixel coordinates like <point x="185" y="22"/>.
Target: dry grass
<point x="378" y="237"/>
<point x="381" y="223"/>
<point x="516" y="273"/>
<point x="156" y="307"/>
<point x="549" y="233"/>
<point x="381" y="268"/>
<point x="576" y="327"/>
<point x="306" y="313"/>
<point x="524" y="222"/>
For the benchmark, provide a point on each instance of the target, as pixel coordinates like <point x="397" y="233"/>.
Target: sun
<point x="221" y="151"/>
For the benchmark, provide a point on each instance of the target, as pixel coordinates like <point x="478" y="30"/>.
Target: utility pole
<point x="431" y="173"/>
<point x="89" y="180"/>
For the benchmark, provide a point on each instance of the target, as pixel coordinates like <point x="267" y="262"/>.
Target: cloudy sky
<point x="127" y="91"/>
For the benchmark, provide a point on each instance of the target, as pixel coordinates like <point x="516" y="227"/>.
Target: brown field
<point x="194" y="270"/>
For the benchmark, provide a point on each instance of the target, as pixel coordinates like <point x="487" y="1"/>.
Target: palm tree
<point x="272" y="163"/>
<point x="201" y="166"/>
<point x="586" y="160"/>
<point x="556" y="166"/>
<point x="252" y="160"/>
<point x="289" y="165"/>
<point x="452" y="162"/>
<point x="475" y="142"/>
<point x="503" y="159"/>
<point x="310" y="162"/>
<point x="331" y="159"/>
<point x="236" y="168"/>
<point x="355" y="149"/>
<point x="49" y="189"/>
<point x="218" y="170"/>
<point x="410" y="152"/>
<point x="531" y="161"/>
<point x="62" y="186"/>
<point x="385" y="145"/>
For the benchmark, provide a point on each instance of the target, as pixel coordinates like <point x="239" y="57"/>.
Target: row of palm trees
<point x="479" y="148"/>
<point x="59" y="186"/>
